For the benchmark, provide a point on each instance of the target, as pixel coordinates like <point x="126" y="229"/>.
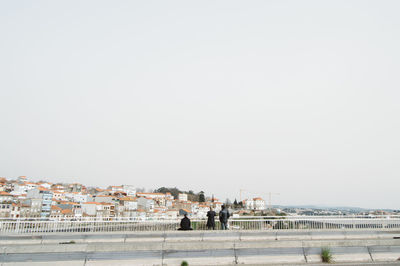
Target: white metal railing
<point x="299" y="223"/>
<point x="149" y="218"/>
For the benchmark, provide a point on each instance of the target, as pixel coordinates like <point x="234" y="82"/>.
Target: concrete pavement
<point x="199" y="248"/>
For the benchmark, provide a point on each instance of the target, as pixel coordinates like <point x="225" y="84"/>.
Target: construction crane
<point x="270" y="199"/>
<point x="241" y="190"/>
<point x="270" y="194"/>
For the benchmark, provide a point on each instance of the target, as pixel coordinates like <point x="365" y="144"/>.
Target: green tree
<point x="201" y="196"/>
<point x="174" y="191"/>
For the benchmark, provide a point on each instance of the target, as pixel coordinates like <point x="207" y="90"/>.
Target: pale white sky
<point x="296" y="97"/>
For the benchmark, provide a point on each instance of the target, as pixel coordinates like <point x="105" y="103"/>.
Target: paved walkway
<point x="200" y="248"/>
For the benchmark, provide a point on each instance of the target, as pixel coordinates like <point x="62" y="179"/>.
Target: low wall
<point x="198" y="248"/>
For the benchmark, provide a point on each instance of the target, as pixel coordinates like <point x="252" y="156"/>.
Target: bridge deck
<point x="198" y="248"/>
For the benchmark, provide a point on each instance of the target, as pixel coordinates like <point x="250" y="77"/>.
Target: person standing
<point x="211" y="219"/>
<point x="223" y="218"/>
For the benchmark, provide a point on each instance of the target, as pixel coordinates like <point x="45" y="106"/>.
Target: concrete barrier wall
<point x="195" y="236"/>
<point x="198" y="248"/>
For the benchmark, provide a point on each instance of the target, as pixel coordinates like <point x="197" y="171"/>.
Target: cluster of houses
<point x="21" y="198"/>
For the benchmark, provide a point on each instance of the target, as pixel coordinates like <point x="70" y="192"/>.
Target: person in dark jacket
<point x="223" y="218"/>
<point x="185" y="223"/>
<point x="211" y="219"/>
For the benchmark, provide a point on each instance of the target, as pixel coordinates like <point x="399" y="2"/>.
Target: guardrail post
<point x="17" y="226"/>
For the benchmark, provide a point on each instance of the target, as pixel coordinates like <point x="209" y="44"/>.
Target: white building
<point x="194" y="207"/>
<point x="15" y="211"/>
<point x="19" y="189"/>
<point x="90" y="208"/>
<point x="106" y="210"/>
<point x="116" y="188"/>
<point x="129" y="190"/>
<point x="217" y="206"/>
<point x="59" y="195"/>
<point x="5" y="209"/>
<point x="257" y="204"/>
<point x="46" y="197"/>
<point x="79" y="197"/>
<point x="127" y="207"/>
<point x="159" y="199"/>
<point x="5" y="196"/>
<point x="30" y="185"/>
<point x="105" y="198"/>
<point x="202" y="211"/>
<point x="46" y="185"/>
<point x="146" y="204"/>
<point x="182" y="197"/>
<point x="129" y="203"/>
<point x="23" y="188"/>
<point x="35" y="206"/>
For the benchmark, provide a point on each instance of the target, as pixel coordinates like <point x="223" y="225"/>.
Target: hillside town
<point x="22" y="198"/>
